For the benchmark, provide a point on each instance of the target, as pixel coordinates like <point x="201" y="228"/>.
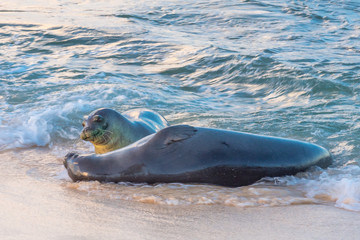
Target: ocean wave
<point x="341" y="186"/>
<point x="33" y="132"/>
<point x="40" y="127"/>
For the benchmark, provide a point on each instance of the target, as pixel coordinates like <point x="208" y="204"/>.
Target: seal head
<point x="108" y="130"/>
<point x="95" y="129"/>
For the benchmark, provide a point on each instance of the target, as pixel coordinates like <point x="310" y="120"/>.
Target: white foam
<point x="39" y="126"/>
<point x="341" y="186"/>
<point x="33" y="132"/>
<point x="34" y="128"/>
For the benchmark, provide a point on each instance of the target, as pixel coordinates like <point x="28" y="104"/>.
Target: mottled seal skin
<point x="188" y="154"/>
<point x="108" y="130"/>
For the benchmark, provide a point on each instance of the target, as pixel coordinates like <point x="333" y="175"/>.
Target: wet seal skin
<point x="188" y="154"/>
<point x="108" y="130"/>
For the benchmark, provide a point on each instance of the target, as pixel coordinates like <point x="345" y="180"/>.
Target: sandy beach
<point x="47" y="210"/>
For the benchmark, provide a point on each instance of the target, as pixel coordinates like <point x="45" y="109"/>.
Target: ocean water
<point x="272" y="67"/>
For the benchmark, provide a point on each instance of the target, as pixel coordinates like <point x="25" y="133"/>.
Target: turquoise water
<point x="280" y="68"/>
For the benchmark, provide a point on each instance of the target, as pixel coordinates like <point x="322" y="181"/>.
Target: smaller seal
<point x="109" y="130"/>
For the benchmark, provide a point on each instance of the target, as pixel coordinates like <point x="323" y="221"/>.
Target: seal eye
<point x="97" y="118"/>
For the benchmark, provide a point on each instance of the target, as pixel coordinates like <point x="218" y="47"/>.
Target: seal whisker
<point x="75" y="141"/>
<point x="101" y="140"/>
<point x="106" y="138"/>
<point x="105" y="131"/>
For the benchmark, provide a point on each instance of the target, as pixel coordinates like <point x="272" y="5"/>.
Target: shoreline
<point x="34" y="207"/>
<point x="79" y="216"/>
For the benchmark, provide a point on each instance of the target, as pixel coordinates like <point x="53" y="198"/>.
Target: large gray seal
<point x="109" y="130"/>
<point x="199" y="155"/>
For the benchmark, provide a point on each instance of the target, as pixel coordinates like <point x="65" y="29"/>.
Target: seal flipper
<point x="68" y="157"/>
<point x="172" y="134"/>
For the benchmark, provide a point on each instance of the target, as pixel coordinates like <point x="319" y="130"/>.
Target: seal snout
<point x="84" y="135"/>
<point x="89" y="134"/>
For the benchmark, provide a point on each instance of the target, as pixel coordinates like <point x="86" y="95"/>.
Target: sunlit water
<point x="280" y="68"/>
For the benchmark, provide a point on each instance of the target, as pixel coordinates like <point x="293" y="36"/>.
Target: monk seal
<point x="109" y="130"/>
<point x="189" y="154"/>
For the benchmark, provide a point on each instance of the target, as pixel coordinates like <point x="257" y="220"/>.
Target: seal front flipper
<point x="69" y="156"/>
<point x="173" y="134"/>
<point x="70" y="164"/>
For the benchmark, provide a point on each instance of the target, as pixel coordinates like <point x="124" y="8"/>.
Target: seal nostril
<point x="84" y="135"/>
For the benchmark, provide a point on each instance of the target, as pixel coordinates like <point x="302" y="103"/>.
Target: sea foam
<point x="33" y="132"/>
<point x="41" y="126"/>
<point x="343" y="187"/>
<point x="340" y="186"/>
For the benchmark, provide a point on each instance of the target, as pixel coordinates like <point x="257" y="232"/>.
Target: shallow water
<point x="280" y="68"/>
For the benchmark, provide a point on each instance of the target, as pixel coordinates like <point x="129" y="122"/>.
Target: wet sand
<point x="39" y="209"/>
